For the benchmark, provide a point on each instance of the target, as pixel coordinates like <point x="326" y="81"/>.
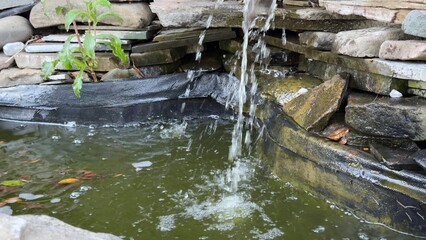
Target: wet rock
<point x="11" y="49"/>
<point x="413" y="23"/>
<point x="14" y="29"/>
<point x="313" y="109"/>
<point x="209" y="62"/>
<point x="41" y="227"/>
<point x="364" y="42"/>
<point x="403" y="50"/>
<point x="389" y="117"/>
<point x="15" y="76"/>
<point x="135" y="15"/>
<point x="116" y="74"/>
<point x="317" y="40"/>
<point x="420" y="158"/>
<point x="393" y="158"/>
<point x="361" y="80"/>
<point x="106" y="61"/>
<point x="231" y="46"/>
<point x="286" y="89"/>
<point x="5" y="62"/>
<point x="157" y="57"/>
<point x="162" y="69"/>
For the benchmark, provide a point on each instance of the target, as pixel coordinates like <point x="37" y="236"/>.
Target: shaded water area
<point x="164" y="179"/>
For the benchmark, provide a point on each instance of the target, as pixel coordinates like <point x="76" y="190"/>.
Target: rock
<point x="361" y="80"/>
<point x="393" y="158"/>
<point x="5" y="61"/>
<point x="209" y="62"/>
<point x="41" y="227"/>
<point x="57" y="47"/>
<point x="418" y="92"/>
<point x="162" y="69"/>
<point x="16" y="10"/>
<point x="285" y="89"/>
<point x="413" y="23"/>
<point x="231" y="46"/>
<point x="135" y="15"/>
<point x="14" y="29"/>
<point x="15" y="76"/>
<point x="385" y="116"/>
<point x="313" y="109"/>
<point x="157" y="57"/>
<point x="420" y="158"/>
<point x="15" y="3"/>
<point x="364" y="42"/>
<point x="106" y="61"/>
<point x="119" y="74"/>
<point x="403" y="50"/>
<point x="11" y="49"/>
<point x="317" y="40"/>
<point x="130" y="35"/>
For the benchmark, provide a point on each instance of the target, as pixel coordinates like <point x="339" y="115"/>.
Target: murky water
<point x="162" y="180"/>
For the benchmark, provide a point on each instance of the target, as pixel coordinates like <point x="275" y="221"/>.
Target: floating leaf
<point x="25" y="178"/>
<point x="33" y="205"/>
<point x="338" y="134"/>
<point x="4" y="189"/>
<point x="13" y="200"/>
<point x="2" y="142"/>
<point x="13" y="183"/>
<point x="86" y="174"/>
<point x="35" y="160"/>
<point x="68" y="181"/>
<point x="118" y="175"/>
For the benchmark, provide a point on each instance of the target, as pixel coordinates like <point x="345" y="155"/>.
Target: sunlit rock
<point x="403" y="50"/>
<point x="313" y="109"/>
<point x="385" y="116"/>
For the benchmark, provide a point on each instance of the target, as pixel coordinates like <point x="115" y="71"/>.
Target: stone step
<point x="130" y="35"/>
<point x="403" y="50"/>
<point x="63" y="37"/>
<point x="57" y="47"/>
<point x="185" y="33"/>
<point x="106" y="61"/>
<point x="154" y="46"/>
<point x="157" y="57"/>
<point x="152" y="26"/>
<point x="397" y="69"/>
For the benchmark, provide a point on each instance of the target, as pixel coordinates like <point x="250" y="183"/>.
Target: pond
<point x="163" y="179"/>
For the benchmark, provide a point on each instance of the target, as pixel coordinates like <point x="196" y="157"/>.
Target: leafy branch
<point x="86" y="60"/>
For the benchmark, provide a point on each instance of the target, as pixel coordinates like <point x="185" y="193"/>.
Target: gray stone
<point x="118" y="74"/>
<point x="5" y="61"/>
<point x="413" y="23"/>
<point x="106" y="61"/>
<point x="364" y="42"/>
<point x="157" y="57"/>
<point x="41" y="227"/>
<point x="231" y="46"/>
<point x="403" y="50"/>
<point x="389" y="117"/>
<point x="314" y="109"/>
<point x="14" y="3"/>
<point x="135" y="15"/>
<point x="130" y="35"/>
<point x="209" y="62"/>
<point x="57" y="47"/>
<point x="317" y="40"/>
<point x="15" y="76"/>
<point x="420" y="158"/>
<point x="14" y="29"/>
<point x="63" y="37"/>
<point x="418" y="92"/>
<point x="361" y="80"/>
<point x="393" y="158"/>
<point x="11" y="49"/>
<point x="162" y="69"/>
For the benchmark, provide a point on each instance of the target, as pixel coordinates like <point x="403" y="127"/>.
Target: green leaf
<point x="103" y="3"/>
<point x="43" y="6"/>
<point x="115" y="44"/>
<point x="12" y="183"/>
<point x="71" y="16"/>
<point x="60" y="10"/>
<point x="66" y="56"/>
<point x="78" y="83"/>
<point x="89" y="43"/>
<point x="108" y="14"/>
<point x="47" y="68"/>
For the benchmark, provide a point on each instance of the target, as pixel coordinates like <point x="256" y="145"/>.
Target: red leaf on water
<point x="85" y="174"/>
<point x="5" y="189"/>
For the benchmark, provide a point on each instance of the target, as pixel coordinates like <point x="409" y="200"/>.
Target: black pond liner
<point x="355" y="181"/>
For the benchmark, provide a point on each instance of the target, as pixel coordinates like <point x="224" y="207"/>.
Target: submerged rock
<point x="33" y="227"/>
<point x="314" y="109"/>
<point x="390" y="117"/>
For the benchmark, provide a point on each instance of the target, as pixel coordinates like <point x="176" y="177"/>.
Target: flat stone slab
<point x="135" y="15"/>
<point x="157" y="57"/>
<point x="57" y="47"/>
<point x="420" y="158"/>
<point x="317" y="40"/>
<point x="395" y="69"/>
<point x="414" y="23"/>
<point x="42" y="227"/>
<point x="403" y="50"/>
<point x="389" y="117"/>
<point x="364" y="42"/>
<point x="16" y="76"/>
<point x="106" y="61"/>
<point x="313" y="109"/>
<point x="15" y="3"/>
<point x="185" y="33"/>
<point x="5" y="61"/>
<point x="63" y="38"/>
<point x="130" y="35"/>
<point x="397" y="159"/>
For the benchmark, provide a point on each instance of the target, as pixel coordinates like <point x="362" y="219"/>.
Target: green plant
<point x="83" y="57"/>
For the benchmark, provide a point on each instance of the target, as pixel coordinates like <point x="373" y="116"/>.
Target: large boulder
<point x="389" y="117"/>
<point x="135" y="15"/>
<point x="414" y="23"/>
<point x="314" y="109"/>
<point x="364" y="42"/>
<point x="14" y="29"/>
<point x="33" y="227"/>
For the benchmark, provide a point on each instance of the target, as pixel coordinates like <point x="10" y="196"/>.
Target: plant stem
<point x="77" y="35"/>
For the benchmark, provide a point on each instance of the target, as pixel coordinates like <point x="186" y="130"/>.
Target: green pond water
<point x="163" y="180"/>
